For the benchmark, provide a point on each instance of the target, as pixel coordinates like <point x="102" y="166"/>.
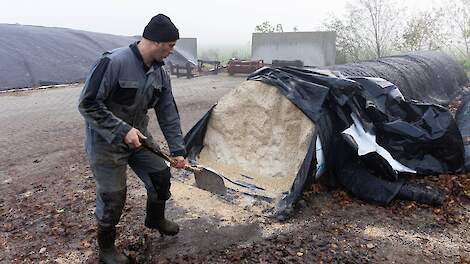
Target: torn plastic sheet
<point x="423" y="137"/>
<point x="321" y="165"/>
<point x="419" y="137"/>
<point x="366" y="144"/>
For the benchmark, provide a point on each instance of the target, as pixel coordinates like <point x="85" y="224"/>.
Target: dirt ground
<point x="47" y="202"/>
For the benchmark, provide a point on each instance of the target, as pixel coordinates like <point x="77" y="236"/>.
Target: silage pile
<point x="258" y="139"/>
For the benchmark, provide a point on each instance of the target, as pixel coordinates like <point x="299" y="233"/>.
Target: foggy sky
<point x="213" y="23"/>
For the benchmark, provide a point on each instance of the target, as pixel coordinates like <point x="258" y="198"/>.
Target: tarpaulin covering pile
<point x="33" y="56"/>
<point x="463" y="121"/>
<point x="431" y="77"/>
<point x="370" y="136"/>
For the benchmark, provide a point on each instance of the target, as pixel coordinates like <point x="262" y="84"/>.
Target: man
<point x="119" y="90"/>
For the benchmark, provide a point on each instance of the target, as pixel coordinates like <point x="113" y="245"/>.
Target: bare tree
<point x="459" y="18"/>
<point x="380" y="23"/>
<point x="369" y="30"/>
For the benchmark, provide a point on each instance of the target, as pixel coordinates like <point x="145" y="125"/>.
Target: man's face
<point x="163" y="49"/>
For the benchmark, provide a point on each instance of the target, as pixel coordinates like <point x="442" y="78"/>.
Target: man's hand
<point x="133" y="136"/>
<point x="178" y="162"/>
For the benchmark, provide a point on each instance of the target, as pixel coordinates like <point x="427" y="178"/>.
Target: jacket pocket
<point x="125" y="92"/>
<point x="157" y="92"/>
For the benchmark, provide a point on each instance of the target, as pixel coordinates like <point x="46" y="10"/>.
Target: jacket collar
<point x="136" y="52"/>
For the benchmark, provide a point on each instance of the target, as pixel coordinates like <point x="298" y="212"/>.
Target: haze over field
<point x="214" y="23"/>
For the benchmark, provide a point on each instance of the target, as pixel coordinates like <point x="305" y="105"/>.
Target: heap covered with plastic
<point x="284" y="128"/>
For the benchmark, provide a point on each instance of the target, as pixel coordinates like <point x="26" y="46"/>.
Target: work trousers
<point x="109" y="162"/>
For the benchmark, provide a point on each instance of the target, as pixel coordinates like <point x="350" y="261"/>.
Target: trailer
<point x="243" y="66"/>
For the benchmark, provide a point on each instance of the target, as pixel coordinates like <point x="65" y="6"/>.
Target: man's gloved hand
<point x="133" y="136"/>
<point x="179" y="162"/>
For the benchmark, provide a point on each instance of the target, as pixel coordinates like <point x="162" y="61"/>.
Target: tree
<point x="423" y="31"/>
<point x="380" y="23"/>
<point x="369" y="30"/>
<point x="459" y="18"/>
<point x="349" y="46"/>
<point x="264" y="27"/>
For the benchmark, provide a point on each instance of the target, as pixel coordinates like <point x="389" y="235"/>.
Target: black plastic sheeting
<point x="33" y="56"/>
<point x="463" y="121"/>
<point x="421" y="136"/>
<point x="424" y="137"/>
<point x="431" y="77"/>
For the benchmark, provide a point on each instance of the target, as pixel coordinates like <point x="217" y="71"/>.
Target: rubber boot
<point x="107" y="250"/>
<point x="155" y="219"/>
<point x="421" y="194"/>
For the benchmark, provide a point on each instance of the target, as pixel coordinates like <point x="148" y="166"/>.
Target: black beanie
<point x="161" y="29"/>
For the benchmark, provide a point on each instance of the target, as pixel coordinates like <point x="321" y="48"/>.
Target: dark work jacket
<point x="117" y="95"/>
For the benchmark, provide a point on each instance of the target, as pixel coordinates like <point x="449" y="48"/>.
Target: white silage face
<point x="257" y="136"/>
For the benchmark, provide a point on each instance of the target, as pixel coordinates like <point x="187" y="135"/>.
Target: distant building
<point x="312" y="48"/>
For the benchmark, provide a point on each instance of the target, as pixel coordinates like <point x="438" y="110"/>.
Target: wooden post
<point x="172" y="68"/>
<point x="188" y="70"/>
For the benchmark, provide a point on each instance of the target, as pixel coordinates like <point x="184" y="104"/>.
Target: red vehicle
<point x="243" y="66"/>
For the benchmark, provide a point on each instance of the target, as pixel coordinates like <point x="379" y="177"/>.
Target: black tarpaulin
<point x="463" y="121"/>
<point x="421" y="136"/>
<point x="429" y="76"/>
<point x="33" y="56"/>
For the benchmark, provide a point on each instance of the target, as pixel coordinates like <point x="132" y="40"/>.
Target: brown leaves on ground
<point x="454" y="106"/>
<point x="287" y="248"/>
<point x="456" y="188"/>
<point x="342" y="198"/>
